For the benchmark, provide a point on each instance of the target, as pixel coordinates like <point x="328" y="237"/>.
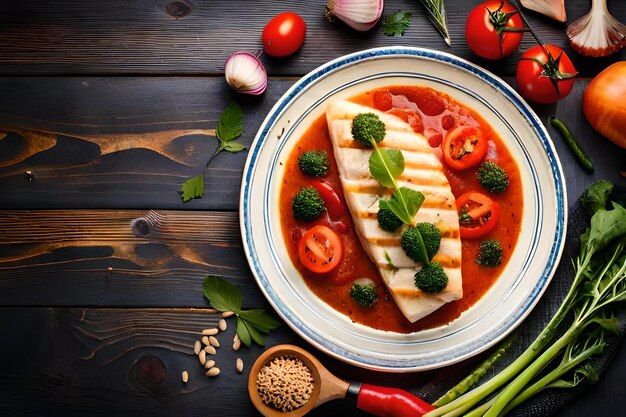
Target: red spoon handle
<point x="391" y="402"/>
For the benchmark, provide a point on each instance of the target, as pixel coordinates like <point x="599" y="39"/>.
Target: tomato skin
<point x="483" y="211"/>
<point x="320" y="250"/>
<point x="464" y="147"/>
<point x="534" y="86"/>
<point x="334" y="205"/>
<point x="482" y="36"/>
<point x="284" y="34"/>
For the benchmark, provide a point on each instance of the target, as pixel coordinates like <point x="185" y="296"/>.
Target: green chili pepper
<point x="579" y="154"/>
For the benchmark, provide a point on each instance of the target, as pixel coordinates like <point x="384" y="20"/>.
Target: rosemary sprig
<point x="436" y="11"/>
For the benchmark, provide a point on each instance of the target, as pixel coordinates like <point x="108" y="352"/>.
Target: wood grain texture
<point x="124" y="257"/>
<point x="95" y="37"/>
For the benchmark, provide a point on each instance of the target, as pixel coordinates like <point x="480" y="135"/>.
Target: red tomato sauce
<point x="436" y="114"/>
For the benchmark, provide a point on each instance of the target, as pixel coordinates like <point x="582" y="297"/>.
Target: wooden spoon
<point x="390" y="402"/>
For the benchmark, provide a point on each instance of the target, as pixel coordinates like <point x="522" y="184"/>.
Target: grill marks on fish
<point x="423" y="172"/>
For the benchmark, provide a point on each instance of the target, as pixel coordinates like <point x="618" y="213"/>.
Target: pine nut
<point x="209" y="364"/>
<point x="228" y="314"/>
<point x="185" y="376"/>
<point x="222" y="325"/>
<point x="202" y="357"/>
<point x="210" y="332"/>
<point x="239" y="365"/>
<point x="205" y="340"/>
<point x="214" y="342"/>
<point x="213" y="372"/>
<point x="196" y="347"/>
<point x="236" y="342"/>
<point x="210" y="350"/>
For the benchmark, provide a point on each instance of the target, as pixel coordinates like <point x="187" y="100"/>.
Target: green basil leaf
<point x="230" y="124"/>
<point x="192" y="188"/>
<point x="255" y="334"/>
<point x="260" y="319"/>
<point x="222" y="295"/>
<point x="233" y="147"/>
<point x="242" y="332"/>
<point x="405" y="203"/>
<point x="386" y="165"/>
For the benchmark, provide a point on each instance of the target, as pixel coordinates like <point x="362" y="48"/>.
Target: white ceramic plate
<point x="524" y="279"/>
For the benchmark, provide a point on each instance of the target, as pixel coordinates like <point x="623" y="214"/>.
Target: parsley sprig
<point x="253" y="324"/>
<point x="229" y="128"/>
<point x="397" y="23"/>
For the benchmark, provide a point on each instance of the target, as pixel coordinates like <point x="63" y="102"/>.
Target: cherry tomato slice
<point x="320" y="250"/>
<point x="334" y="206"/>
<point x="464" y="147"/>
<point x="478" y="214"/>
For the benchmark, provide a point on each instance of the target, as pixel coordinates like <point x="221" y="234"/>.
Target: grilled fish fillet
<point x="423" y="172"/>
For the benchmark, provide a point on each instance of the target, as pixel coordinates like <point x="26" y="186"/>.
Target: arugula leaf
<point x="405" y="203"/>
<point x="242" y="332"/>
<point x="260" y="319"/>
<point x="230" y="124"/>
<point x="192" y="188"/>
<point x="386" y="165"/>
<point x="229" y="128"/>
<point x="222" y="295"/>
<point x="251" y="324"/>
<point x="397" y="23"/>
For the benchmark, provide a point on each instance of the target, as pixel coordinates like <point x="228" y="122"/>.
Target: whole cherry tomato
<point x="284" y="34"/>
<point x="544" y="78"/>
<point x="494" y="29"/>
<point x="478" y="214"/>
<point x="320" y="249"/>
<point x="464" y="147"/>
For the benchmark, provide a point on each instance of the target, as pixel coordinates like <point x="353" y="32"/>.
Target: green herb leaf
<point x="397" y="23"/>
<point x="606" y="225"/>
<point x="192" y="188"/>
<point x="260" y="319"/>
<point x="255" y="334"/>
<point x="386" y="165"/>
<point x="405" y="203"/>
<point x="436" y="11"/>
<point x="230" y="124"/>
<point x="222" y="295"/>
<point x="242" y="332"/>
<point x="233" y="147"/>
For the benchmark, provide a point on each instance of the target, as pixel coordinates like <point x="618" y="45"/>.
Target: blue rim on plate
<point x="524" y="280"/>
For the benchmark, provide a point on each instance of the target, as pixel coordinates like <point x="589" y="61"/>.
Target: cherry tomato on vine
<point x="478" y="214"/>
<point x="320" y="250"/>
<point x="542" y="78"/>
<point x="494" y="29"/>
<point x="284" y="34"/>
<point x="463" y="147"/>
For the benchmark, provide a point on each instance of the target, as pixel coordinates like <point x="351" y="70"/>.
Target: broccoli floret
<point x="363" y="291"/>
<point x="314" y="163"/>
<point x="308" y="204"/>
<point x="431" y="278"/>
<point x="387" y="220"/>
<point x="489" y="253"/>
<point x="492" y="177"/>
<point x="595" y="196"/>
<point x="368" y="129"/>
<point x="421" y="242"/>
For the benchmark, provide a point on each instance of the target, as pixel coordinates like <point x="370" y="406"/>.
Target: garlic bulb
<point x="361" y="15"/>
<point x="597" y="33"/>
<point x="245" y="74"/>
<point x="554" y="9"/>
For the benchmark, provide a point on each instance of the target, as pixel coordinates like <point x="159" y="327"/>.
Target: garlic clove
<point x="245" y="74"/>
<point x="554" y="9"/>
<point x="361" y="15"/>
<point x="597" y="33"/>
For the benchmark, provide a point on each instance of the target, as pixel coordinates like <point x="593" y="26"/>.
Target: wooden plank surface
<point x="105" y="108"/>
<point x="140" y="37"/>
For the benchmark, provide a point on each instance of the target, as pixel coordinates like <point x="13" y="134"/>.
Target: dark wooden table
<point x="105" y="109"/>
